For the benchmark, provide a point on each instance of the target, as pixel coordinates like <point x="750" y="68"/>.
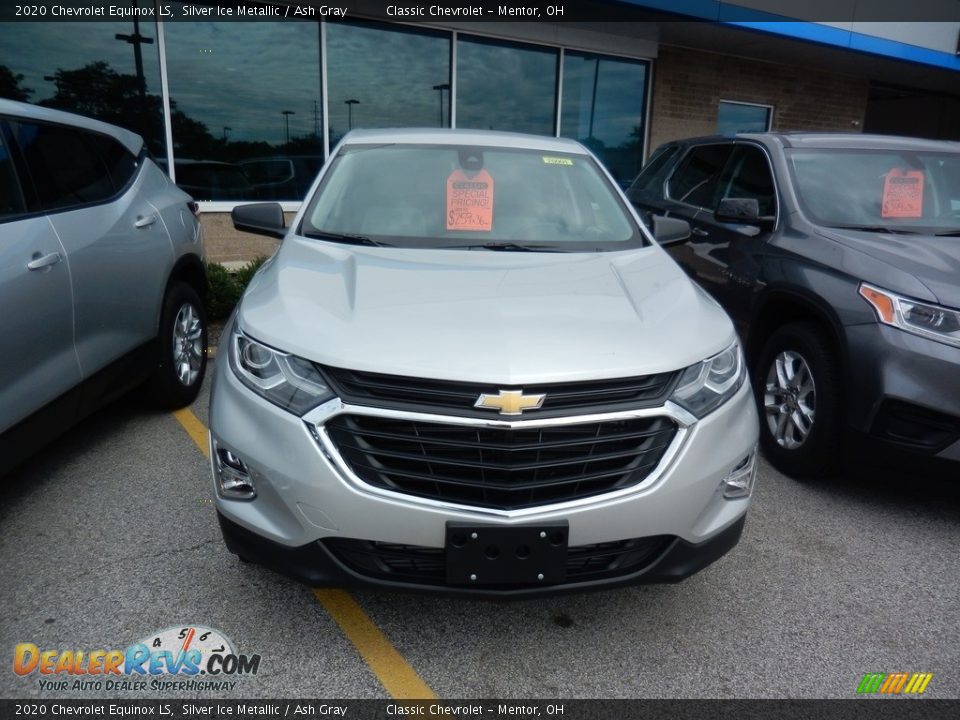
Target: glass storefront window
<point x="245" y="108"/>
<point x="106" y="70"/>
<point x="506" y="86"/>
<point x="738" y="117"/>
<point x="603" y="107"/>
<point x="380" y="76"/>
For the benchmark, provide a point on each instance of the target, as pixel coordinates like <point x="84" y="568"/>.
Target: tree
<point x="10" y="87"/>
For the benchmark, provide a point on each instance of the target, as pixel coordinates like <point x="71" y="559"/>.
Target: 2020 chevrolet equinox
<point x="469" y="368"/>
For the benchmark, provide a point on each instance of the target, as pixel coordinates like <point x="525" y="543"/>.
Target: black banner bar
<point x="447" y="11"/>
<point x="855" y="709"/>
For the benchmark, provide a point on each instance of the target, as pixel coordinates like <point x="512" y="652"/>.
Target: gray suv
<point x="838" y="258"/>
<point x="101" y="276"/>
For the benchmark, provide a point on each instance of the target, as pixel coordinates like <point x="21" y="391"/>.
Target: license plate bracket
<point x="479" y="555"/>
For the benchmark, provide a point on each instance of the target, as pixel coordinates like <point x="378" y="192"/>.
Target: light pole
<point x="441" y="87"/>
<point x="226" y="129"/>
<point x="286" y="118"/>
<point x="350" y="103"/>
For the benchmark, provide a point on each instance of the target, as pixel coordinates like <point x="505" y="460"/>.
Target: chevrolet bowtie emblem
<point x="510" y="402"/>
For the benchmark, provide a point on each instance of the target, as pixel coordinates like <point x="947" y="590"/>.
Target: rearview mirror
<point x="261" y="218"/>
<point x="668" y="231"/>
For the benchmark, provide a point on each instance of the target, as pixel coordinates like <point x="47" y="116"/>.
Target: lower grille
<point x="503" y="468"/>
<point x="427" y="565"/>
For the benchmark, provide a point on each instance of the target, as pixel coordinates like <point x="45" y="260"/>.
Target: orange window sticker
<point x="470" y="201"/>
<point x="902" y="194"/>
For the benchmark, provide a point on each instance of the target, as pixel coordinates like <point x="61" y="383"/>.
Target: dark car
<point x="838" y="257"/>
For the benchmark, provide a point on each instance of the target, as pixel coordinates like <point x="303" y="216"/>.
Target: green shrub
<point x="225" y="288"/>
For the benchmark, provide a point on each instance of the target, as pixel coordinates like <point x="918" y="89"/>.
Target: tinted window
<point x="506" y="86"/>
<point x="11" y="201"/>
<point x="604" y="102"/>
<point x="695" y="181"/>
<point x="652" y="176"/>
<point x="748" y="176"/>
<point x="120" y="162"/>
<point x="65" y="169"/>
<point x="734" y="117"/>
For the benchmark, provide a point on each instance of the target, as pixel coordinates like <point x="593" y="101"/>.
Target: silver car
<point x="469" y="368"/>
<point x="101" y="276"/>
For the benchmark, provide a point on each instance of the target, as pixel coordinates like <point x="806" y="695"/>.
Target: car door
<point x="115" y="240"/>
<point x="724" y="257"/>
<point x="39" y="361"/>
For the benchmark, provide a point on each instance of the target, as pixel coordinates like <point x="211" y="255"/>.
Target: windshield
<point x="895" y="190"/>
<point x="469" y="197"/>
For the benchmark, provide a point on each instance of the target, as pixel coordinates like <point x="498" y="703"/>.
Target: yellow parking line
<point x="394" y="673"/>
<point x="195" y="429"/>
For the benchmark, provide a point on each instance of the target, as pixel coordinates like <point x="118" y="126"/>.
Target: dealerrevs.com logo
<point x="192" y="658"/>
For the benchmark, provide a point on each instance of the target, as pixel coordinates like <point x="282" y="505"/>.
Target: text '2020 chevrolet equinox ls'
<point x="469" y="368"/>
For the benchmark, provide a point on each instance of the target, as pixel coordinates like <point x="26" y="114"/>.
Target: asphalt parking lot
<point x="109" y="535"/>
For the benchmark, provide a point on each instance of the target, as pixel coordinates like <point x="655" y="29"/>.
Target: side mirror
<point x="738" y="210"/>
<point x="669" y="231"/>
<point x="743" y="211"/>
<point x="261" y="218"/>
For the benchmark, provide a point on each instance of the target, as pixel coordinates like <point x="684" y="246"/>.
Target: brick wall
<point x="689" y="84"/>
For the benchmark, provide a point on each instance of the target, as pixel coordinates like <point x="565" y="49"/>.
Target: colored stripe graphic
<point x="894" y="683"/>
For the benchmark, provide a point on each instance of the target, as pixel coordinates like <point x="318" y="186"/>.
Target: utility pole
<point x="137" y="40"/>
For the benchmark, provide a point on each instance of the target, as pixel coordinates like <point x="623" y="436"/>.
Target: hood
<point x="505" y="317"/>
<point x="933" y="261"/>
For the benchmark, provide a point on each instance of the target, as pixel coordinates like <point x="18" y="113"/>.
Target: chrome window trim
<point x="316" y="419"/>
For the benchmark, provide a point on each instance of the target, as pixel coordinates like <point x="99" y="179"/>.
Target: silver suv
<point x="101" y="276"/>
<point x="469" y="368"/>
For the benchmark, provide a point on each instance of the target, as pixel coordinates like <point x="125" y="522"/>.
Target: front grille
<point x="427" y="565"/>
<point x="426" y="395"/>
<point x="503" y="468"/>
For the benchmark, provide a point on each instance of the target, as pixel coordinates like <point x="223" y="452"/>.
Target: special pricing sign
<point x="902" y="194"/>
<point x="470" y="201"/>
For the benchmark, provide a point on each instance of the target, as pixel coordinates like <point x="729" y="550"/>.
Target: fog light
<point x="233" y="476"/>
<point x="739" y="482"/>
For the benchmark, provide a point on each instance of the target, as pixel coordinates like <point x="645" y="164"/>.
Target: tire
<point x="799" y="427"/>
<point x="182" y="347"/>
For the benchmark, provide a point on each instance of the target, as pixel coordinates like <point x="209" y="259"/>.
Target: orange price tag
<point x="470" y="201"/>
<point x="902" y="194"/>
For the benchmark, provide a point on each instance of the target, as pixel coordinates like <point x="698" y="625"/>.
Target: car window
<point x="457" y="196"/>
<point x="695" y="180"/>
<point x="120" y="162"/>
<point x="66" y="170"/>
<point x="11" y="199"/>
<point x="885" y="188"/>
<point x="655" y="171"/>
<point x="747" y="175"/>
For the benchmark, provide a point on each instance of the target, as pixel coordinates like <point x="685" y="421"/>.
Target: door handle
<point x="38" y="263"/>
<point x="147" y="221"/>
<point x="699" y="231"/>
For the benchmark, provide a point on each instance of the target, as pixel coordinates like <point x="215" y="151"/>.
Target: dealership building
<point x="241" y="109"/>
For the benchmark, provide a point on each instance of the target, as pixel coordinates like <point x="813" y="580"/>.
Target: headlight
<point x="285" y="380"/>
<point x="707" y="385"/>
<point x="932" y="321"/>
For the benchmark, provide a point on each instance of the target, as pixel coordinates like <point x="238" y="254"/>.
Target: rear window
<point x="11" y="200"/>
<point x="66" y="169"/>
<point x="456" y="196"/>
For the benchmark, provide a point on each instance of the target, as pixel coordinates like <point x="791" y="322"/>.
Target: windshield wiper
<point x="875" y="228"/>
<point x="948" y="233"/>
<point x="509" y="247"/>
<point x="345" y="238"/>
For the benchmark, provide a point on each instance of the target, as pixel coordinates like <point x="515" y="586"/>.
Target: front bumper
<point x="315" y="565"/>
<point x="902" y="396"/>
<point x="304" y="497"/>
